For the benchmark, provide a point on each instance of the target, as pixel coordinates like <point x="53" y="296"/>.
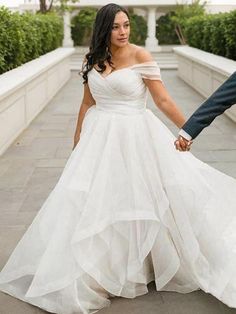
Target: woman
<point x="128" y="208"/>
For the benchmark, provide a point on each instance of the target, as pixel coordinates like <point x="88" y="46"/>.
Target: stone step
<point x="165" y="60"/>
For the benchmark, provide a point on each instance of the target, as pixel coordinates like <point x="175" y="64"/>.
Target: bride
<point x="128" y="208"/>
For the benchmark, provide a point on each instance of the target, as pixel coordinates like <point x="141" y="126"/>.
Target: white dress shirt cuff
<point x="185" y="135"/>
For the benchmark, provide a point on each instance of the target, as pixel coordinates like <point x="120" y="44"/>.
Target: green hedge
<point x="214" y="33"/>
<point x="138" y="27"/>
<point x="195" y="34"/>
<point x="166" y="30"/>
<point x="24" y="37"/>
<point x="82" y="27"/>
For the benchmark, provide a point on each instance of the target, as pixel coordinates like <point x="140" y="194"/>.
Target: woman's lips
<point x="122" y="39"/>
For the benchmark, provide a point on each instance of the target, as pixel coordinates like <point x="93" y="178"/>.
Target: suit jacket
<point x="223" y="98"/>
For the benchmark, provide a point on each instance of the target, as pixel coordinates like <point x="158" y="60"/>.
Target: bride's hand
<point x="182" y="144"/>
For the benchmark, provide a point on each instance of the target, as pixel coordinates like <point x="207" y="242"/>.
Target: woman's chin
<point x="120" y="43"/>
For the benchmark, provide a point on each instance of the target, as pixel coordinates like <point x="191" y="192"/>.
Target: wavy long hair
<point x="99" y="49"/>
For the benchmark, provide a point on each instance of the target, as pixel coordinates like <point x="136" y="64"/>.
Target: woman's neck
<point x="117" y="52"/>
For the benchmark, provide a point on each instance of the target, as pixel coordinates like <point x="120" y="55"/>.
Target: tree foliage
<point x="183" y="13"/>
<point x="46" y="6"/>
<point x="166" y="30"/>
<point x="82" y="26"/>
<point x="138" y="27"/>
<point x="214" y="33"/>
<point x="24" y="37"/>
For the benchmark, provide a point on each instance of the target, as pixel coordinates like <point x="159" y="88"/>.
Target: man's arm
<point x="223" y="98"/>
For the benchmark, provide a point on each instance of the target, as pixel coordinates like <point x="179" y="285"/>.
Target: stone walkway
<point x="30" y="168"/>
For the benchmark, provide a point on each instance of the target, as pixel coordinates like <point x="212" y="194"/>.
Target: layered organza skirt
<point x="128" y="209"/>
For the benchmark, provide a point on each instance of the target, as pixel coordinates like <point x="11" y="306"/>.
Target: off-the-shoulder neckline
<point x="147" y="62"/>
<point x="127" y="67"/>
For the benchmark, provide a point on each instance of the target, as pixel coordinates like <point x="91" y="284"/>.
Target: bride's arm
<point x="87" y="102"/>
<point x="162" y="98"/>
<point x="164" y="102"/>
<point x="159" y="93"/>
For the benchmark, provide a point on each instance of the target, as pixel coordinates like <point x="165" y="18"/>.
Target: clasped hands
<point x="182" y="144"/>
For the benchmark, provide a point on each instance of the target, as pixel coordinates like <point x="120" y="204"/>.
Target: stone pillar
<point x="67" y="40"/>
<point x="151" y="41"/>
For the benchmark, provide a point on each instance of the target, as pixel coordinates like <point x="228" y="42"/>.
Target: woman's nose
<point x="122" y="30"/>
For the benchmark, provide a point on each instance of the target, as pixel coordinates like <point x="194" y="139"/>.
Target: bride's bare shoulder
<point x="142" y="55"/>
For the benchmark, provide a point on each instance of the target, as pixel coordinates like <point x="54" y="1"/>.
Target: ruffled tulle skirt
<point x="128" y="209"/>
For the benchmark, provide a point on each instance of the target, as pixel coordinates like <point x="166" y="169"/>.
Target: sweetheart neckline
<point x="125" y="68"/>
<point x="104" y="77"/>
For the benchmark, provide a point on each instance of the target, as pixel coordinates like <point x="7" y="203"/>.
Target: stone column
<point x="151" y="41"/>
<point x="67" y="40"/>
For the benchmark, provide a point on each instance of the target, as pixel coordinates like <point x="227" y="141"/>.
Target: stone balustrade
<point x="26" y="90"/>
<point x="204" y="71"/>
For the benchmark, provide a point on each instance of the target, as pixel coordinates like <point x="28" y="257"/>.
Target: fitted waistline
<point x="123" y="110"/>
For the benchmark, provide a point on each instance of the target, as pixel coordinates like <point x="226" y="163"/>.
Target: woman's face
<point x="120" y="30"/>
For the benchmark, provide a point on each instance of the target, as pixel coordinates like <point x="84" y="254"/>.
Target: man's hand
<point x="182" y="144"/>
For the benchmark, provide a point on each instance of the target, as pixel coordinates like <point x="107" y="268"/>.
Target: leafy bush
<point x="229" y="30"/>
<point x="166" y="30"/>
<point x="31" y="41"/>
<point x="24" y="37"/>
<point x="51" y="31"/>
<point x="193" y="32"/>
<point x="11" y="40"/>
<point x="138" y="27"/>
<point x="183" y="13"/>
<point x="82" y="26"/>
<point x="216" y="29"/>
<point x="214" y="33"/>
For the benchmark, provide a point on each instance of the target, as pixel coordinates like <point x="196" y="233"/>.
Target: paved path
<point x="32" y="165"/>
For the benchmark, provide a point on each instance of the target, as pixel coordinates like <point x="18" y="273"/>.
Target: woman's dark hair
<point x="99" y="50"/>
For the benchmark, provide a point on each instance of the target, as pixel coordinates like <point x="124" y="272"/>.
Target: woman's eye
<point x="116" y="27"/>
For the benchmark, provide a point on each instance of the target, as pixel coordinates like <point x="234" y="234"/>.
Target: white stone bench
<point x="204" y="71"/>
<point x="26" y="90"/>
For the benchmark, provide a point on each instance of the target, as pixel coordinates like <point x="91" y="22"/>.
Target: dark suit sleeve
<point x="223" y="98"/>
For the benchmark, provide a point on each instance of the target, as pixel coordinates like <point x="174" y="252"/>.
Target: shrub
<point x="32" y="44"/>
<point x="11" y="40"/>
<point x="229" y="27"/>
<point x="194" y="31"/>
<point x="82" y="26"/>
<point x="166" y="30"/>
<point x="24" y="37"/>
<point x="214" y="33"/>
<point x="51" y="31"/>
<point x="138" y="27"/>
<point x="183" y="13"/>
<point x="217" y="38"/>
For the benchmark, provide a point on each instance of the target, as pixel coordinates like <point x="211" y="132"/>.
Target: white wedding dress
<point x="128" y="209"/>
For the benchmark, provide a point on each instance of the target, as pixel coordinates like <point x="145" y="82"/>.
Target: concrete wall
<point x="204" y="71"/>
<point x="26" y="90"/>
